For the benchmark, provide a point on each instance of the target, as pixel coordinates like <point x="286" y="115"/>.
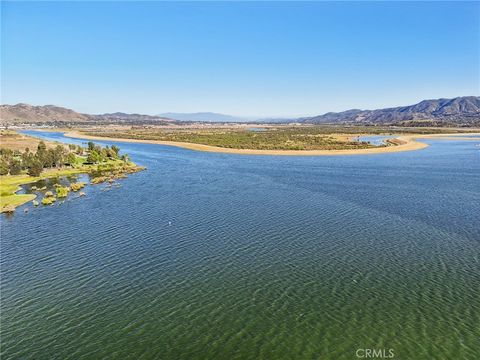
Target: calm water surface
<point x="216" y="256"/>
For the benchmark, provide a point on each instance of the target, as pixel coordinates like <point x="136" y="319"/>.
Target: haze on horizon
<point x="255" y="59"/>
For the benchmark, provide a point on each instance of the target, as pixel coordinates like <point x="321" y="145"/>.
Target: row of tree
<point x="97" y="154"/>
<point x="14" y="162"/>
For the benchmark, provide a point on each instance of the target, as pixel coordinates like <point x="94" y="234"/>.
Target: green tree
<point x="27" y="158"/>
<point x="6" y="153"/>
<point x="41" y="153"/>
<point x="4" y="168"/>
<point x="71" y="159"/>
<point x="49" y="158"/>
<point x="93" y="157"/>
<point x="116" y="150"/>
<point x="41" y="146"/>
<point x="59" y="156"/>
<point x="104" y="154"/>
<point x="15" y="168"/>
<point x="36" y="167"/>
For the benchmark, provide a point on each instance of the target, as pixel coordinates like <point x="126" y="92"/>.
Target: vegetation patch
<point x="281" y="137"/>
<point x="48" y="200"/>
<point x="62" y="191"/>
<point x="77" y="186"/>
<point x="19" y="168"/>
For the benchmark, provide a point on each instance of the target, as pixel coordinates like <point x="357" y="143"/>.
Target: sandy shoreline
<point x="408" y="143"/>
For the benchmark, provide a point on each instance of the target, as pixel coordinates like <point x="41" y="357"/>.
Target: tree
<point x="41" y="146"/>
<point x="58" y="156"/>
<point x="104" y="154"/>
<point x="91" y="145"/>
<point x="15" y="167"/>
<point x="115" y="149"/>
<point x="71" y="159"/>
<point x="6" y="153"/>
<point x="49" y="158"/>
<point x="4" y="168"/>
<point x="93" y="157"/>
<point x="27" y="158"/>
<point x="41" y="153"/>
<point x="35" y="168"/>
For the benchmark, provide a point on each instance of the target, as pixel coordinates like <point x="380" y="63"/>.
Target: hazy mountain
<point x="25" y="113"/>
<point x="458" y="111"/>
<point x="123" y="117"/>
<point x="56" y="115"/>
<point x="204" y="116"/>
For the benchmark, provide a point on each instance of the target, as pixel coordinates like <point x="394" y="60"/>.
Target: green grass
<point x="10" y="184"/>
<point x="15" y="200"/>
<point x="62" y="191"/>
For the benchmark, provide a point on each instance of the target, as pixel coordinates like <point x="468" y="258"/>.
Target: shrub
<point x="35" y="168"/>
<point x="77" y="186"/>
<point x="48" y="200"/>
<point x="62" y="191"/>
<point x="3" y="167"/>
<point x="15" y="168"/>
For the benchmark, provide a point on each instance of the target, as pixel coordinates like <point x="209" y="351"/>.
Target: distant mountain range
<point x="25" y="113"/>
<point x="204" y="116"/>
<point x="460" y="111"/>
<point x="55" y="115"/>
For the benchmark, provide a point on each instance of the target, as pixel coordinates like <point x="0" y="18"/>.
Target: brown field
<point x="14" y="141"/>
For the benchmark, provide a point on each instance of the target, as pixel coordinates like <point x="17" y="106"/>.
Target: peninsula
<point x="53" y="160"/>
<point x="278" y="140"/>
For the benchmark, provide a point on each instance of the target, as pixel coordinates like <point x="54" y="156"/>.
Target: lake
<point x="220" y="256"/>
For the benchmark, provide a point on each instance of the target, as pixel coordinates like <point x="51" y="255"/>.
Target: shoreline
<point x="11" y="184"/>
<point x="408" y="143"/>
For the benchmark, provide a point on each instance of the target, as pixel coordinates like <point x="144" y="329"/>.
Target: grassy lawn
<point x="15" y="200"/>
<point x="10" y="184"/>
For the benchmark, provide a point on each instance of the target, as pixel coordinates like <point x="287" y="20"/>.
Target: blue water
<point x="218" y="256"/>
<point x="375" y="139"/>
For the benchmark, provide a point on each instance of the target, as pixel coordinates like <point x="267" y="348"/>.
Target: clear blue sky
<point x="250" y="58"/>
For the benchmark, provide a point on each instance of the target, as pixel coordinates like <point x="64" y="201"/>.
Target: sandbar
<point x="404" y="143"/>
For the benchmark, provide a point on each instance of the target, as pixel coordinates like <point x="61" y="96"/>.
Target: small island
<point x="54" y="160"/>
